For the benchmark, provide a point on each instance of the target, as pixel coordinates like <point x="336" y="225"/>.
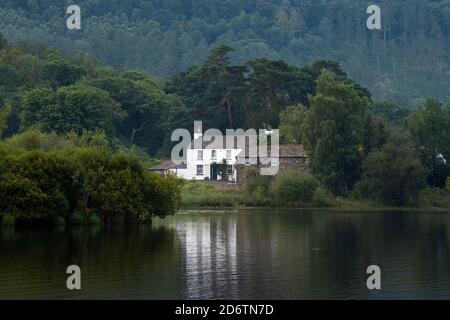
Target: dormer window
<point x="200" y="155"/>
<point x="214" y="154"/>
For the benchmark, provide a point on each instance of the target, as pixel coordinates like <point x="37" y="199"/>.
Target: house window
<point x="229" y="171"/>
<point x="200" y="155"/>
<point x="228" y="154"/>
<point x="274" y="162"/>
<point x="199" y="170"/>
<point x="214" y="154"/>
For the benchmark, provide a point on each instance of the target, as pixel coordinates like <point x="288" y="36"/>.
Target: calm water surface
<point x="241" y="254"/>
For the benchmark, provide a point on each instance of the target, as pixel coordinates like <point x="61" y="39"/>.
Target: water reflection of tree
<point x="117" y="261"/>
<point x="405" y="245"/>
<point x="325" y="254"/>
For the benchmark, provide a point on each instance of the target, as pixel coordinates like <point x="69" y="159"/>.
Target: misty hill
<point x="405" y="62"/>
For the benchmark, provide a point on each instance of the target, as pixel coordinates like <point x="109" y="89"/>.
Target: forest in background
<point x="406" y="62"/>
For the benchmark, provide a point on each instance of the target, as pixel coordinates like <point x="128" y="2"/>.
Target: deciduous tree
<point x="430" y="129"/>
<point x="333" y="133"/>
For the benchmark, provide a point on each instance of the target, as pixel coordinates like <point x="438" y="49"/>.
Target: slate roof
<point x="292" y="151"/>
<point x="167" y="165"/>
<point x="285" y="151"/>
<point x="213" y="144"/>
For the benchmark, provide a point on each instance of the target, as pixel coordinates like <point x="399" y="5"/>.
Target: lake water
<point x="235" y="254"/>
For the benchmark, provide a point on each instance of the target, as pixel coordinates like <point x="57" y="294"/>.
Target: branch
<point x="137" y="130"/>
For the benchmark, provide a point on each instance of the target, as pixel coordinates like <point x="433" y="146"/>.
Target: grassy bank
<point x="196" y="194"/>
<point x="206" y="195"/>
<point x="202" y="195"/>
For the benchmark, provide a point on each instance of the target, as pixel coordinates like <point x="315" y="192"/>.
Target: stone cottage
<point x="291" y="157"/>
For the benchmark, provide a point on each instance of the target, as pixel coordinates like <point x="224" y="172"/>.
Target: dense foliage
<point x="295" y="187"/>
<point x="251" y="95"/>
<point x="44" y="177"/>
<point x="407" y="61"/>
<point x="40" y="88"/>
<point x="393" y="174"/>
<point x="60" y="114"/>
<point x="430" y="129"/>
<point x="380" y="153"/>
<point x="53" y="93"/>
<point x="333" y="133"/>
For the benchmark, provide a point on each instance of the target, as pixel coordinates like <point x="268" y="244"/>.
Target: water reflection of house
<point x="210" y="254"/>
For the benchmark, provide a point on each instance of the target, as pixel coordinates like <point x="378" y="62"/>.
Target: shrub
<point x="257" y="186"/>
<point x="94" y="220"/>
<point x="77" y="218"/>
<point x="21" y="198"/>
<point x="295" y="187"/>
<point x="321" y="198"/>
<point x="162" y="194"/>
<point x="33" y="139"/>
<point x="28" y="140"/>
<point x="43" y="186"/>
<point x="369" y="188"/>
<point x="260" y="193"/>
<point x="392" y="175"/>
<point x="8" y="220"/>
<point x="434" y="197"/>
<point x="117" y="185"/>
<point x="52" y="173"/>
<point x="59" y="221"/>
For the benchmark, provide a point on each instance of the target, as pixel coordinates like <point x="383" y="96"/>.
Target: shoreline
<point x="336" y="209"/>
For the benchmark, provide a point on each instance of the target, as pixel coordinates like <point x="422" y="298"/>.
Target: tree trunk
<point x="230" y="116"/>
<point x="135" y="130"/>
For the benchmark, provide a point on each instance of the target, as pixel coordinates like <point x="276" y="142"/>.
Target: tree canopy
<point x="42" y="88"/>
<point x="333" y="132"/>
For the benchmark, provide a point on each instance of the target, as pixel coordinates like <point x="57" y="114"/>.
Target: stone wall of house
<point x="285" y="164"/>
<point x="242" y="172"/>
<point x="293" y="164"/>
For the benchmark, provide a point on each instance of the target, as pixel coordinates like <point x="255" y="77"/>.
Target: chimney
<point x="198" y="130"/>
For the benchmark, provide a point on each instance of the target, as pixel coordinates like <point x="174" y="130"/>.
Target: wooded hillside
<point x="405" y="62"/>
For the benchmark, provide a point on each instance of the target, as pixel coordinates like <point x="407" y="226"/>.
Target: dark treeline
<point x="250" y="95"/>
<point x="405" y="62"/>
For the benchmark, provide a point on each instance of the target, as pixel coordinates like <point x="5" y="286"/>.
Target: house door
<point x="213" y="173"/>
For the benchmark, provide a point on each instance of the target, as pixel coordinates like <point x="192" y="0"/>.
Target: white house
<point x="205" y="160"/>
